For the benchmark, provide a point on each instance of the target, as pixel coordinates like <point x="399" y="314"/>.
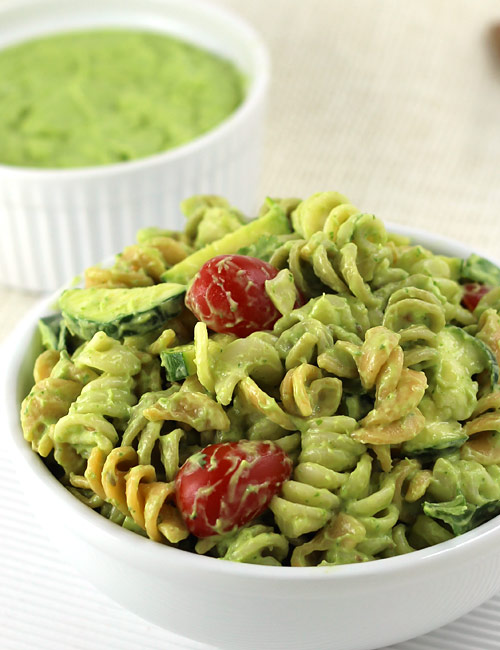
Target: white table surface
<point x="397" y="105"/>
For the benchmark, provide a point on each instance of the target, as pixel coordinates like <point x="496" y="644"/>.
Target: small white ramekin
<point x="54" y="223"/>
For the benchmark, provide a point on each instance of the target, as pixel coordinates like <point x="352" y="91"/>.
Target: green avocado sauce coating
<point x="106" y="96"/>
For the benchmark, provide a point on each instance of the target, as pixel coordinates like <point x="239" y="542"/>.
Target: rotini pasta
<point x="372" y="396"/>
<point x="133" y="490"/>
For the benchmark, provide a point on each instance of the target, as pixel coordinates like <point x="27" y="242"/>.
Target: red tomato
<point x="228" y="294"/>
<point x="226" y="485"/>
<point x="473" y="292"/>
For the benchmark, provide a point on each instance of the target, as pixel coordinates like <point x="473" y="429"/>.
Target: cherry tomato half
<point x="226" y="485"/>
<point x="473" y="292"/>
<point x="229" y="295"/>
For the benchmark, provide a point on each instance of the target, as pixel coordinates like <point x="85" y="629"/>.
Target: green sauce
<point x="100" y="97"/>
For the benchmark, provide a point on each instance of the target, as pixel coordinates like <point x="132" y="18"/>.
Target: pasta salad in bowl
<point x="308" y="395"/>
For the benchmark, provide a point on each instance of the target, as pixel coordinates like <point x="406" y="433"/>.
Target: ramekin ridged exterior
<point x="54" y="223"/>
<point x="228" y="605"/>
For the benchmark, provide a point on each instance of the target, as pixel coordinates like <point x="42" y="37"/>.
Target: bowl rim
<point x="255" y="90"/>
<point x="98" y="531"/>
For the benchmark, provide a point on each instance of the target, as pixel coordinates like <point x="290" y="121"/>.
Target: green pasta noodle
<point x="375" y="378"/>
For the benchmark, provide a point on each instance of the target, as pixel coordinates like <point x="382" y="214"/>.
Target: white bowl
<point x="56" y="222"/>
<point x="230" y="605"/>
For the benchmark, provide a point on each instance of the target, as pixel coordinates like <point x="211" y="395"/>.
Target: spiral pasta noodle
<point x="348" y="254"/>
<point x="104" y="402"/>
<point x="209" y="218"/>
<point x="308" y="501"/>
<point x="48" y="401"/>
<point x="141" y="264"/>
<point x="132" y="488"/>
<point x="256" y="544"/>
<point x="305" y="392"/>
<point x="378" y="362"/>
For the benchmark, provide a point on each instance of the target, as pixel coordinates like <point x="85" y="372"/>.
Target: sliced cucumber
<point x="178" y="362"/>
<point x="484" y="353"/>
<point x="491" y="363"/>
<point x="459" y="360"/>
<point x="263" y="248"/>
<point x="120" y="312"/>
<point x="478" y="269"/>
<point x="437" y="438"/>
<point x="274" y="222"/>
<point x="53" y="332"/>
<point x="461" y="515"/>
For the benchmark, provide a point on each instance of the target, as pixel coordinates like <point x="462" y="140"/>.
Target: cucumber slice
<point x="483" y="352"/>
<point x="491" y="363"/>
<point x="478" y="269"/>
<point x="53" y="332"/>
<point x="274" y="222"/>
<point x="460" y="515"/>
<point x="120" y="312"/>
<point x="436" y="439"/>
<point x="178" y="362"/>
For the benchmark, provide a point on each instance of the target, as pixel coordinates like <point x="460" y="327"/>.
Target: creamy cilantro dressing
<point x="98" y="97"/>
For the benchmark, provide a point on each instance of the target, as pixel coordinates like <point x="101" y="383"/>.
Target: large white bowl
<point x="245" y="607"/>
<point x="56" y="222"/>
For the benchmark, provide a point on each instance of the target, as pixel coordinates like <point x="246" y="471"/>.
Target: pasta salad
<point x="301" y="389"/>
